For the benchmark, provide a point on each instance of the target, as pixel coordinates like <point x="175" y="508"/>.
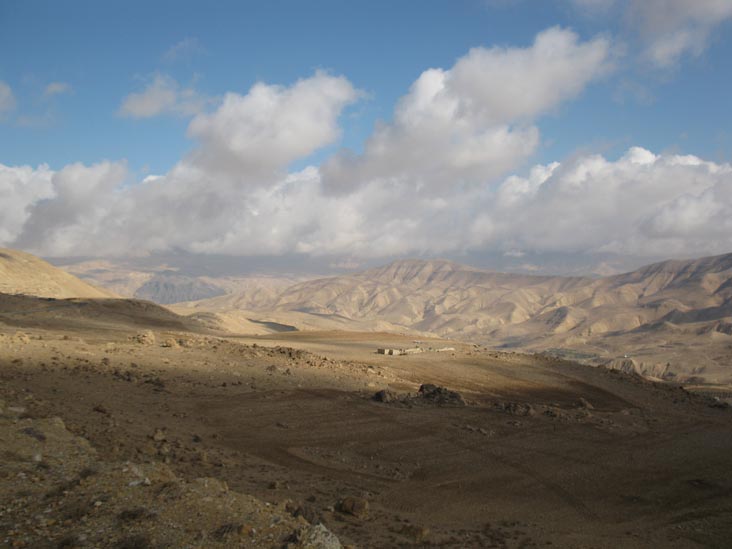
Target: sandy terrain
<point x="544" y="453"/>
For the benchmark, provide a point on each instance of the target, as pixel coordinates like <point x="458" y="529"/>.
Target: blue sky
<point x="106" y="50"/>
<point x="95" y="54"/>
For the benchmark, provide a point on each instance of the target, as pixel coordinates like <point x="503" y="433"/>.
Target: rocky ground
<point x="140" y="438"/>
<point x="58" y="493"/>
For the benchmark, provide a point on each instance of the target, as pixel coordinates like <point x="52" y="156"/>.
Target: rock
<point x="308" y="512"/>
<point x="159" y="435"/>
<point x="35" y="433"/>
<point x="144" y="338"/>
<point x="416" y="533"/>
<point x="440" y="395"/>
<point x="225" y="531"/>
<point x="584" y="403"/>
<point x="385" y="395"/>
<point x="314" y="537"/>
<point x="516" y="408"/>
<point x="357" y="507"/>
<point x="16" y="410"/>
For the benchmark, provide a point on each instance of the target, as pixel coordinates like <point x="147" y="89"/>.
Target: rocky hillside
<point x="57" y="492"/>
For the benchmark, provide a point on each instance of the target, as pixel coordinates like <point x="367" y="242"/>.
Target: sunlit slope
<point x="22" y="273"/>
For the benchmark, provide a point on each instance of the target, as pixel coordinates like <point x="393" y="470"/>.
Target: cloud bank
<point x="434" y="179"/>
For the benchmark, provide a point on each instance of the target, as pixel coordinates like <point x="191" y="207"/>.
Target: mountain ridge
<point x="648" y="313"/>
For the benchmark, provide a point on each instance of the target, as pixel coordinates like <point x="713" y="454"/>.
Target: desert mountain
<point x="35" y="294"/>
<point x="170" y="287"/>
<point x="669" y="318"/>
<point x="164" y="284"/>
<point x="22" y="273"/>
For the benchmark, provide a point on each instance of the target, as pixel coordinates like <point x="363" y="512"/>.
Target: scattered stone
<point x="144" y="338"/>
<point x="33" y="432"/>
<point x="308" y="512"/>
<point x="584" y="403"/>
<point x="312" y="537"/>
<point x="416" y="533"/>
<point x="132" y="515"/>
<point x="357" y="507"/>
<point x="440" y="395"/>
<point x="170" y="343"/>
<point x="226" y="531"/>
<point x="385" y="395"/>
<point x="515" y="408"/>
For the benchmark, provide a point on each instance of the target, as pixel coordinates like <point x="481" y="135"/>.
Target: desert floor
<point x="542" y="453"/>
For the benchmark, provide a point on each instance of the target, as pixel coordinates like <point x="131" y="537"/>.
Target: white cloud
<point x="472" y="123"/>
<point x="7" y="99"/>
<point x="63" y="210"/>
<point x="641" y="204"/>
<point x="428" y="181"/>
<point x="21" y="187"/>
<point x="57" y="88"/>
<point x="673" y="28"/>
<point x="271" y="126"/>
<point x="667" y="29"/>
<point x="163" y="95"/>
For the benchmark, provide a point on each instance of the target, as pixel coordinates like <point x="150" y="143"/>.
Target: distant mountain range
<point x="670" y="320"/>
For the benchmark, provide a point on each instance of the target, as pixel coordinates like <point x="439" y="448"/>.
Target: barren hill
<point x="662" y="320"/>
<point x="22" y="273"/>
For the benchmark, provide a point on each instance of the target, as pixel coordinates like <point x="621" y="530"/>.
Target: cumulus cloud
<point x="21" y="188"/>
<point x="57" y="88"/>
<point x="473" y="122"/>
<point x="7" y="99"/>
<point x="640" y="204"/>
<point x="270" y="126"/>
<point x="162" y="95"/>
<point x="428" y="181"/>
<point x="232" y="194"/>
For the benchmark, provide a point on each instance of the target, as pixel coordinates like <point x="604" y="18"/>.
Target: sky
<point x="509" y="131"/>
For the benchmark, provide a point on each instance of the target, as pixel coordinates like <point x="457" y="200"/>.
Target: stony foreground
<point x="57" y="493"/>
<point x="118" y="437"/>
